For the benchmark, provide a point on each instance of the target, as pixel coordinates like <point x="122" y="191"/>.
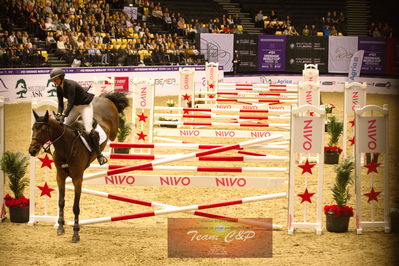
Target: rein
<point x="46" y="148"/>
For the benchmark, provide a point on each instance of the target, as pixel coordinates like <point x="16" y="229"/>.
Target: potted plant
<point x="124" y="131"/>
<point x="338" y="215"/>
<point x="328" y="108"/>
<point x="332" y="151"/>
<point x="14" y="166"/>
<point x="169" y="103"/>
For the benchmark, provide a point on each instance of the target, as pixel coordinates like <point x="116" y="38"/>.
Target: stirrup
<point x="101" y="159"/>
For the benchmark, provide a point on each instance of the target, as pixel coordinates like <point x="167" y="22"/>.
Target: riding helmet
<point x="57" y="72"/>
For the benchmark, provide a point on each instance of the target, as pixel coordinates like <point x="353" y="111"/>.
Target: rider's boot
<point x="95" y="145"/>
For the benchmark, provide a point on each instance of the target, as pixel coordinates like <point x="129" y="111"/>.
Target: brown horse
<point x="71" y="157"/>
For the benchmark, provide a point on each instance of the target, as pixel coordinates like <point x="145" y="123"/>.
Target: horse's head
<point x="41" y="133"/>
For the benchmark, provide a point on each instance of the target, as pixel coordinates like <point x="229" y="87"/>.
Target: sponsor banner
<point x="218" y="48"/>
<point x="190" y="181"/>
<point x="271" y="53"/>
<point x="306" y="50"/>
<point x="121" y="84"/>
<point x="372" y="137"/>
<point x="355" y="96"/>
<point x="215" y="133"/>
<point x="247" y="47"/>
<point x="374" y="54"/>
<point x="144" y="94"/>
<point x="27" y="84"/>
<point x="328" y="83"/>
<point x="307" y="131"/>
<point x="210" y="238"/>
<point x="355" y="66"/>
<point x="392" y="62"/>
<point x="340" y="52"/>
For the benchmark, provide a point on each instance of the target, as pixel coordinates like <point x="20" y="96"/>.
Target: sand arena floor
<point x="144" y="241"/>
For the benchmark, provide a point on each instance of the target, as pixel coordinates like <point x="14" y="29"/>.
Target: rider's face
<point x="57" y="81"/>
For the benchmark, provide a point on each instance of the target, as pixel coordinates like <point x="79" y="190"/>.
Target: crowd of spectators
<point x="332" y="24"/>
<point x="88" y="34"/>
<point x="380" y="29"/>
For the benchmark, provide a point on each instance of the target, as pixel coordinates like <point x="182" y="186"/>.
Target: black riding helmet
<point x="57" y="72"/>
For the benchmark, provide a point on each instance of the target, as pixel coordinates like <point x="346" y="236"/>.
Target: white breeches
<point x="83" y="111"/>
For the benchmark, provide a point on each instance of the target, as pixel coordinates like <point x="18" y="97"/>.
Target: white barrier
<point x="306" y="138"/>
<point x="371" y="133"/>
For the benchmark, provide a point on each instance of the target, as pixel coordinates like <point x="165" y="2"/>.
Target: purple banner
<point x="374" y="54"/>
<point x="271" y="53"/>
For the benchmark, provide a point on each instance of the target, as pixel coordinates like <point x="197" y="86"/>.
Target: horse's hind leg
<point x="77" y="182"/>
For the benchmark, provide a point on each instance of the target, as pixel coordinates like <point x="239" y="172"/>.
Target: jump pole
<point x="163" y="206"/>
<point x="181" y="157"/>
<point x="170" y="210"/>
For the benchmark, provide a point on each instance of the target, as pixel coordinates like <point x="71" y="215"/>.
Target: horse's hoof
<point x="75" y="238"/>
<point x="60" y="231"/>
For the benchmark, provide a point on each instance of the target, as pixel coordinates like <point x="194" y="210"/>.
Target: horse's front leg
<point x="77" y="182"/>
<point x="61" y="202"/>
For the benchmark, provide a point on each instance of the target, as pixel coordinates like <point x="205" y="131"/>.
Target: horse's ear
<point x="36" y="115"/>
<point x="46" y="116"/>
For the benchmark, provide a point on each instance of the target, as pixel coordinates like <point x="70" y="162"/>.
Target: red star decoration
<point x="141" y="135"/>
<point x="211" y="86"/>
<point x="186" y="97"/>
<point x="142" y="117"/>
<point x="307" y="167"/>
<point x="352" y="122"/>
<point x="372" y="167"/>
<point x="211" y="96"/>
<point x="46" y="161"/>
<point x="46" y="190"/>
<point x="185" y="112"/>
<point x="372" y="195"/>
<point x="306" y="196"/>
<point x="352" y="141"/>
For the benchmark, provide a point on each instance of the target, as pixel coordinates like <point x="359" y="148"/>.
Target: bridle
<point x="46" y="147"/>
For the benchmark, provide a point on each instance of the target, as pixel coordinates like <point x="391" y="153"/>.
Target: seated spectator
<point x="259" y="19"/>
<point x="306" y="31"/>
<point x="291" y="31"/>
<point x="61" y="50"/>
<point x="313" y="30"/>
<point x="326" y="30"/>
<point x="237" y="19"/>
<point x="334" y="31"/>
<point x="273" y="15"/>
<point x="51" y="44"/>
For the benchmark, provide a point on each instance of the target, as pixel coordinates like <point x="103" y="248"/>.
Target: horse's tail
<point x="118" y="98"/>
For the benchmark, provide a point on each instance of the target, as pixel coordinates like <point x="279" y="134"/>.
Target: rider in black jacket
<point x="79" y="105"/>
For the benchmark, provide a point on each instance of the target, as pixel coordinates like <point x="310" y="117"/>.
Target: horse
<point x="71" y="157"/>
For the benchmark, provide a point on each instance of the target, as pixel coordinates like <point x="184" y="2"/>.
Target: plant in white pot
<point x="14" y="166"/>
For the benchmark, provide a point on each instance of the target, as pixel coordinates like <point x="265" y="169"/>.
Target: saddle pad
<point x="101" y="133"/>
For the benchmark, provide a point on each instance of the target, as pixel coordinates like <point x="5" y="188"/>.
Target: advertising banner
<point x="26" y="84"/>
<point x="247" y="48"/>
<point x="218" y="48"/>
<point x="355" y="66"/>
<point x="374" y="54"/>
<point x="374" y="137"/>
<point x="392" y="62"/>
<point x="340" y="52"/>
<point x="271" y="53"/>
<point x="306" y="50"/>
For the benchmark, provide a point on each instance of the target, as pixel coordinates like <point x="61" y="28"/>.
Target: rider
<point x="79" y="104"/>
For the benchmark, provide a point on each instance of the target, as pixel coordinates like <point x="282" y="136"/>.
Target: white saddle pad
<point x="101" y="132"/>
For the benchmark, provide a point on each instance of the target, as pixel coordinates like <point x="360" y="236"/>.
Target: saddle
<point x="85" y="138"/>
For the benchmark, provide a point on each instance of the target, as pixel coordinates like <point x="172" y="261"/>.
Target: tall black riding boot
<point x="95" y="145"/>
